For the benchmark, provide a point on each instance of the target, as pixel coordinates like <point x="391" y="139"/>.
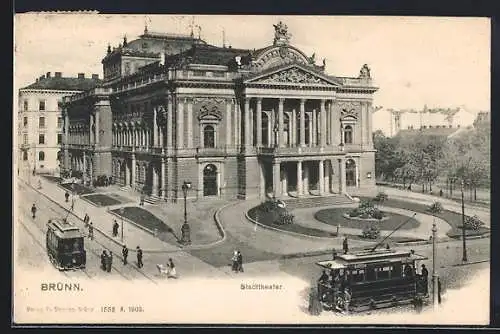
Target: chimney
<point x="81" y="75"/>
<point x="57" y="74"/>
<point x="95" y="76"/>
<point x="48" y="74"/>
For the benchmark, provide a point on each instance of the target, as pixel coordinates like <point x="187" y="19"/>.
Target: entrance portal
<point x="210" y="180"/>
<point x="350" y="173"/>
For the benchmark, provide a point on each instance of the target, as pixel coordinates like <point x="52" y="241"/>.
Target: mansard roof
<point x="207" y="54"/>
<point x="61" y="83"/>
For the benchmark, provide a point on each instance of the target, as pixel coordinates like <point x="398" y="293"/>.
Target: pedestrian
<point x="125" y="254"/>
<point x="142" y="199"/>
<point x="345" y="245"/>
<point x="439" y="290"/>
<point x="91" y="231"/>
<point x="109" y="262"/>
<point x="171" y="273"/>
<point x="234" y="259"/>
<point x="86" y="220"/>
<point x="104" y="256"/>
<point x="33" y="210"/>
<point x="66" y="195"/>
<point x="115" y="228"/>
<point x="425" y="275"/>
<point x="334" y="254"/>
<point x="139" y="257"/>
<point x="72" y="203"/>
<point x="240" y="262"/>
<point x="39" y="184"/>
<point x="440" y="192"/>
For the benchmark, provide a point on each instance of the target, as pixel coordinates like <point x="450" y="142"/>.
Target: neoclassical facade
<point x="235" y="123"/>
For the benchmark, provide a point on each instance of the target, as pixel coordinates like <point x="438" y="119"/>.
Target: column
<point x="357" y="174"/>
<point x="237" y="121"/>
<point x="272" y="126"/>
<point x="190" y="123"/>
<point x="169" y="128"/>
<point x="97" y="128"/>
<point x="84" y="163"/>
<point x="300" y="189"/>
<point x="132" y="171"/>
<point x="311" y="132"/>
<point x="370" y="116"/>
<point x="251" y="126"/>
<point x="155" y="128"/>
<point x="332" y="175"/>
<point x="127" y="173"/>
<point x="315" y="128"/>
<point x="163" y="188"/>
<point x="281" y="134"/>
<point x="342" y="185"/>
<point x="228" y="123"/>
<point x="91" y="139"/>
<point x="247" y="122"/>
<point x="180" y="124"/>
<point x="259" y="122"/>
<point x="327" y="176"/>
<point x="362" y="127"/>
<point x="154" y="191"/>
<point x="321" y="178"/>
<point x="333" y="128"/>
<point x="302" y="123"/>
<point x="284" y="181"/>
<point x="276" y="178"/>
<point x="306" y="178"/>
<point x="323" y="123"/>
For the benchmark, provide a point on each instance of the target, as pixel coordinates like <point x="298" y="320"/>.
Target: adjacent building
<point x="40" y="120"/>
<point x="234" y="123"/>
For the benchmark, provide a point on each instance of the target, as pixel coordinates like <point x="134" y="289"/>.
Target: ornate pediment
<point x="293" y="75"/>
<point x="349" y="110"/>
<point x="209" y="113"/>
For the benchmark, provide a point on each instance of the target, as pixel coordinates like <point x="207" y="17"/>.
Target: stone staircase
<point x="317" y="201"/>
<point x="125" y="188"/>
<point x="153" y="199"/>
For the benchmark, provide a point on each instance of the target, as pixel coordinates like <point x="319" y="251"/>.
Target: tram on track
<point x="371" y="279"/>
<point x="65" y="245"/>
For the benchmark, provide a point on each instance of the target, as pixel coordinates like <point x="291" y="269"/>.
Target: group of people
<point x="89" y="225"/>
<point x="168" y="269"/>
<point x="237" y="260"/>
<point x="106" y="260"/>
<point x="335" y="279"/>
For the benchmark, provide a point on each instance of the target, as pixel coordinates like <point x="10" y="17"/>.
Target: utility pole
<point x="464" y="254"/>
<point x="435" y="275"/>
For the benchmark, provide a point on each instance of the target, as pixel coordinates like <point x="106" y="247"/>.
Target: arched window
<point x="348" y="134"/>
<point x="25" y="155"/>
<point x="350" y="172"/>
<point x="265" y="129"/>
<point x="41" y="156"/>
<point x="209" y="136"/>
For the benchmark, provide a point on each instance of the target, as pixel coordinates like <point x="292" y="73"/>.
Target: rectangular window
<point x="198" y="73"/>
<point x="41" y="139"/>
<point x="41" y="122"/>
<point x="59" y="138"/>
<point x="219" y="74"/>
<point x="60" y="122"/>
<point x="41" y="105"/>
<point x="25" y="139"/>
<point x="25" y="105"/>
<point x="25" y="121"/>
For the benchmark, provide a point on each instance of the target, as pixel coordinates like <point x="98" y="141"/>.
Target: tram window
<point x="396" y="271"/>
<point x="370" y="274"/>
<point x="77" y="244"/>
<point x="358" y="275"/>
<point x="383" y="273"/>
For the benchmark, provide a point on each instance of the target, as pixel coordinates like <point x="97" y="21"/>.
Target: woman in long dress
<point x="171" y="272"/>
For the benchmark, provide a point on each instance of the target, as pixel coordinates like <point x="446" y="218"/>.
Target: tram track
<point x="61" y="211"/>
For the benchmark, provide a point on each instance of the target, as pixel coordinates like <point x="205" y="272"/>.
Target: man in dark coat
<point x="104" y="256"/>
<point x="115" y="228"/>
<point x="439" y="290"/>
<point x="66" y="195"/>
<point x="139" y="257"/>
<point x="240" y="262"/>
<point x="425" y="279"/>
<point x="109" y="262"/>
<point x="125" y="254"/>
<point x="33" y="210"/>
<point x="345" y="245"/>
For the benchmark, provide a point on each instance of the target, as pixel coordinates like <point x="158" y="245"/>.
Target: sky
<point x="441" y="62"/>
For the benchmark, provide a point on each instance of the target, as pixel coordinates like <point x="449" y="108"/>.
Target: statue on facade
<point x="364" y="73"/>
<point x="312" y="59"/>
<point x="281" y="34"/>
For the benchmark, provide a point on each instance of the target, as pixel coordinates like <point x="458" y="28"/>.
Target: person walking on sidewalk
<point x="33" y="210"/>
<point x="171" y="272"/>
<point x="86" y="220"/>
<point x="115" y="228"/>
<point x="139" y="257"/>
<point x="240" y="262"/>
<point x="104" y="256"/>
<point x="91" y="231"/>
<point x="125" y="254"/>
<point x="345" y="245"/>
<point x="66" y="196"/>
<point x="109" y="262"/>
<point x="142" y="199"/>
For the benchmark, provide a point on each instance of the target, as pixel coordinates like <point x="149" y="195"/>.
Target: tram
<point x="65" y="245"/>
<point x="371" y="279"/>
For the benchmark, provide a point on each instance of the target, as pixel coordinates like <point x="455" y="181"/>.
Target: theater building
<point x="235" y="123"/>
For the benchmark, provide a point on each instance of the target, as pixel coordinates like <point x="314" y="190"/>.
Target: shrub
<point x="381" y="197"/>
<point x="354" y="213"/>
<point x="377" y="214"/>
<point x="77" y="173"/>
<point x="366" y="205"/>
<point x="473" y="223"/>
<point x="435" y="207"/>
<point x="285" y="219"/>
<point x="65" y="174"/>
<point x="371" y="232"/>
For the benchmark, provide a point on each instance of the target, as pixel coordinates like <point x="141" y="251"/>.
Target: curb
<point x="296" y="234"/>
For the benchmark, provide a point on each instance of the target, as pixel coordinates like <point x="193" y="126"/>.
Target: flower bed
<point x="144" y="218"/>
<point x="102" y="200"/>
<point x="77" y="188"/>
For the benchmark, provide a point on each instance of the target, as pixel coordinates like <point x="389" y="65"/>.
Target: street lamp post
<point x="464" y="255"/>
<point x="121" y="215"/>
<point x="435" y="276"/>
<point x="186" y="239"/>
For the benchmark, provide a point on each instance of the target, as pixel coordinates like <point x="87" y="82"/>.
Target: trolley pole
<point x="434" y="271"/>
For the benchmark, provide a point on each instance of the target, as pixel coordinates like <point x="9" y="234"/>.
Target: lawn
<point x="452" y="218"/>
<point x="102" y="200"/>
<point x="267" y="219"/>
<point x="144" y="218"/>
<point x="77" y="188"/>
<point x="335" y="217"/>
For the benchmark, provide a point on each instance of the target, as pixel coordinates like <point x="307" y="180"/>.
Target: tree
<point x="387" y="159"/>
